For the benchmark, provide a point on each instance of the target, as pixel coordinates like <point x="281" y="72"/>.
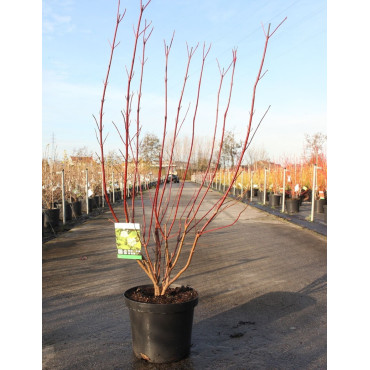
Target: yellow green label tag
<point x="128" y="240"/>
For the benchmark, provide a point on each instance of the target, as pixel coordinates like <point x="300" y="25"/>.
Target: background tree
<point x="82" y="152"/>
<point x="150" y="149"/>
<point x="231" y="149"/>
<point x="314" y="146"/>
<point x="256" y="157"/>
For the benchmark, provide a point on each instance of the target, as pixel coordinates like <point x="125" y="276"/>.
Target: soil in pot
<point x="174" y="295"/>
<point x="161" y="326"/>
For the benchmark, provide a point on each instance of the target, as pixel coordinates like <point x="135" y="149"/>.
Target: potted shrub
<point x="276" y="197"/>
<point x="162" y="237"/>
<point x="320" y="202"/>
<point x="292" y="203"/>
<point x="50" y="207"/>
<point x="50" y="194"/>
<point x="75" y="201"/>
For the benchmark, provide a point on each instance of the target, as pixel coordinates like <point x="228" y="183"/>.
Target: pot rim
<point x="158" y="307"/>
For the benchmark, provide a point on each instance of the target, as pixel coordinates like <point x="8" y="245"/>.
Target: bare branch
<point x="249" y="143"/>
<point x="278" y="26"/>
<point x="263" y="74"/>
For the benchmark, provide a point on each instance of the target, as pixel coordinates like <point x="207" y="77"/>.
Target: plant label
<point x="128" y="240"/>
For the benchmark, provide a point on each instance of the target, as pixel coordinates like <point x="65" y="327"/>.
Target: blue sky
<point x="75" y="51"/>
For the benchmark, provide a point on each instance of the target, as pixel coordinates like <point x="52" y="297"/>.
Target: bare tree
<point x="256" y="156"/>
<point x="230" y="150"/>
<point x="82" y="152"/>
<point x="314" y="146"/>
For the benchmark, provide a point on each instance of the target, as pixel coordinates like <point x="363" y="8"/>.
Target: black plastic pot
<point x="68" y="211"/>
<point x="260" y="196"/>
<point x="98" y="200"/>
<point x="51" y="217"/>
<point x="275" y="200"/>
<point x="76" y="208"/>
<point x="319" y="205"/>
<point x="292" y="205"/>
<point x="270" y="200"/>
<point x="325" y="212"/>
<point x="92" y="204"/>
<point x="161" y="333"/>
<point x="117" y="194"/>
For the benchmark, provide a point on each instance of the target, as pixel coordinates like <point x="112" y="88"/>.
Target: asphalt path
<point x="261" y="284"/>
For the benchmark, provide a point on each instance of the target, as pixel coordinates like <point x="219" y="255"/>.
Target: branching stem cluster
<point x="167" y="225"/>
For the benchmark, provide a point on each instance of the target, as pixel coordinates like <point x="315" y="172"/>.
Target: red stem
<point x="101" y="143"/>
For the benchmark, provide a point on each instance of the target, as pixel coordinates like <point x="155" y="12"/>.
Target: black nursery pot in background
<point x="292" y="205"/>
<point x="98" y="200"/>
<point x="92" y="204"/>
<point x="68" y="210"/>
<point x="51" y="217"/>
<point x="319" y="205"/>
<point x="275" y="200"/>
<point x="76" y="208"/>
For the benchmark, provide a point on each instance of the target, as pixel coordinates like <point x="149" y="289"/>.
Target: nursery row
<point x="256" y="186"/>
<point x="295" y="179"/>
<point x="52" y="216"/>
